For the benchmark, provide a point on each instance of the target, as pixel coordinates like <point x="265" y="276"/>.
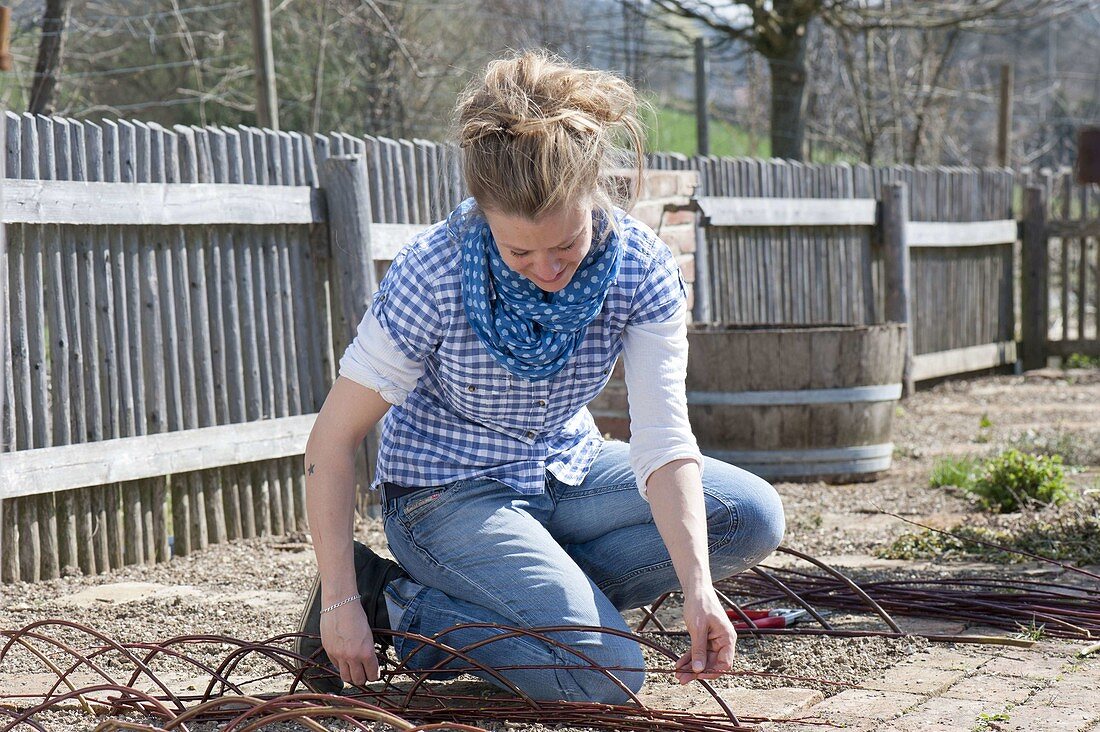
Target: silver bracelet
<point x="332" y="607"/>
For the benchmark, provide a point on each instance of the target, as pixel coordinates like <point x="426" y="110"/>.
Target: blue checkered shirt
<point x="469" y="417"/>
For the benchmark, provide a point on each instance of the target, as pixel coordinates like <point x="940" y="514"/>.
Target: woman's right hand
<point x="347" y="638"/>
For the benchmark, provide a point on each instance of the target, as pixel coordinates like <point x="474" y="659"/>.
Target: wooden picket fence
<point x="176" y="301"/>
<point x="815" y="256"/>
<point x="1061" y="259"/>
<point x="172" y="304"/>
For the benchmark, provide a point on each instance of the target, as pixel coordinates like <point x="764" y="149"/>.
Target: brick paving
<point x="967" y="688"/>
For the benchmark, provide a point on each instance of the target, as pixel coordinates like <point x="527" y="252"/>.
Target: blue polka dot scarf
<point x="529" y="332"/>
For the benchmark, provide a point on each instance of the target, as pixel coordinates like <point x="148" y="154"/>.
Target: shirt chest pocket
<point x="478" y="389"/>
<point x="591" y="375"/>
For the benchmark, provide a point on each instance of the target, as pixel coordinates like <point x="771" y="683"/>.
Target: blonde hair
<point x="538" y="134"/>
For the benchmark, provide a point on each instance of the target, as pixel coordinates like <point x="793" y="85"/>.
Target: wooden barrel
<point x="796" y="402"/>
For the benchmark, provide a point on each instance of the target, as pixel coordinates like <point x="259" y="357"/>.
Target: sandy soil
<point x="252" y="589"/>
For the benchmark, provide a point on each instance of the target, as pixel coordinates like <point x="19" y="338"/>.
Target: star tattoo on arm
<point x="311" y="467"/>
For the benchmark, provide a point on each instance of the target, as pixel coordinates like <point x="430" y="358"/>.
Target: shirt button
<point x="606" y="372"/>
<point x="471" y="388"/>
<point x="530" y="434"/>
<point x="542" y="402"/>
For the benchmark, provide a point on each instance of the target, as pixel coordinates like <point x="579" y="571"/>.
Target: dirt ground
<point x="253" y="589"/>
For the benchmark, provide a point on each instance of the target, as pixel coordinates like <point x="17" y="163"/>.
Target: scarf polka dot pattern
<point x="529" y="332"/>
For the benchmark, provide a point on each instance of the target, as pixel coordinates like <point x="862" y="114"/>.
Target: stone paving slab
<point x="916" y="678"/>
<point x="1001" y="689"/>
<point x="1040" y="718"/>
<point x="41" y="683"/>
<point x="1075" y="691"/>
<point x="942" y="714"/>
<point x="1031" y="665"/>
<point x="1063" y="648"/>
<point x="865" y="704"/>
<point x="959" y="658"/>
<point x="773" y="703"/>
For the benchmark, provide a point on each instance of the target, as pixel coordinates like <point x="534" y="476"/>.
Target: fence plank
<point x="241" y="370"/>
<point x="37" y="162"/>
<point x="257" y="371"/>
<point x="26" y="537"/>
<point x="273" y="244"/>
<point x="204" y="346"/>
<point x="9" y="510"/>
<point x="46" y="514"/>
<point x="151" y="142"/>
<point x="189" y="521"/>
<point x="85" y="374"/>
<point x="297" y="370"/>
<point x="962" y="360"/>
<point x="17" y="393"/>
<point x="228" y="518"/>
<point x="344" y="181"/>
<point x="101" y="143"/>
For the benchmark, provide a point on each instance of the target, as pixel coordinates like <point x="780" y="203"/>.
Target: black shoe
<point x="372" y="574"/>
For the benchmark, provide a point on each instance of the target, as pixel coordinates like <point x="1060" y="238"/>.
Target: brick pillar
<point x="677" y="230"/>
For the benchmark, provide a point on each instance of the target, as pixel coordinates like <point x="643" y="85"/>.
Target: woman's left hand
<point x="713" y="639"/>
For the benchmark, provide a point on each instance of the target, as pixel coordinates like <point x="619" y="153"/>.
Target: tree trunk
<point x="54" y="23"/>
<point x="788" y="124"/>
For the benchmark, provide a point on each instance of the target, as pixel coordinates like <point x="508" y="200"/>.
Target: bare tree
<point x="776" y="29"/>
<point x="867" y="50"/>
<point x="51" y="47"/>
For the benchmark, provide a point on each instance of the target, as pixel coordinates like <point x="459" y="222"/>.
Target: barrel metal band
<point x="822" y="461"/>
<point x="876" y="393"/>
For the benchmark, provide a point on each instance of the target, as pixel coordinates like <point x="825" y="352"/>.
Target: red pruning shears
<point x="779" y="618"/>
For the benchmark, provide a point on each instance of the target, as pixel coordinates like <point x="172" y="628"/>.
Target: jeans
<point x="479" y="552"/>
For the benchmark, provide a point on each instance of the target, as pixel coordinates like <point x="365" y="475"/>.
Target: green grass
<point x="671" y="130"/>
<point x="953" y="471"/>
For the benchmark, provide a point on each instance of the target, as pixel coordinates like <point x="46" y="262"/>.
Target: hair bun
<point x="538" y="132"/>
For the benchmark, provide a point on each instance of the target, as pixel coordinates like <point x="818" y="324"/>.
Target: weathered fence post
<point x="347" y="194"/>
<point x="702" y="308"/>
<point x="1034" y="280"/>
<point x="9" y="567"/>
<point x="895" y="216"/>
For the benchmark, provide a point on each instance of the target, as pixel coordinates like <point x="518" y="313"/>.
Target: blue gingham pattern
<point x="468" y="416"/>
